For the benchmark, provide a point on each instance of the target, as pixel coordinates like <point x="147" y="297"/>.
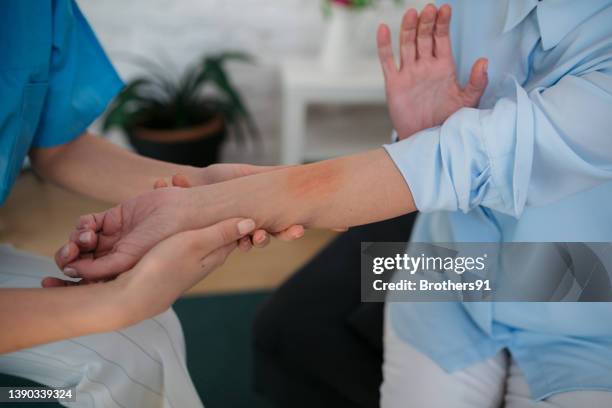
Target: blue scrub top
<point x="55" y="79"/>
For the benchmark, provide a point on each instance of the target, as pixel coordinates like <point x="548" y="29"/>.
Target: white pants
<point x="411" y="379"/>
<point x="141" y="366"/>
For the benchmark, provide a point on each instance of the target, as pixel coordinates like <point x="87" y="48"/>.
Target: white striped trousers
<point x="141" y="366"/>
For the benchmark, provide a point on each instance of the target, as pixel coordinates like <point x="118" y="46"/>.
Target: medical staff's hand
<point x="425" y="91"/>
<point x="177" y="263"/>
<point x="217" y="173"/>
<point x="173" y="266"/>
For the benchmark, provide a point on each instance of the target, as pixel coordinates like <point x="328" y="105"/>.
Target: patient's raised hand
<point x="425" y="91"/>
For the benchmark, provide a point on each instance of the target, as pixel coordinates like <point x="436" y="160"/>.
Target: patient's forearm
<point x="344" y="192"/>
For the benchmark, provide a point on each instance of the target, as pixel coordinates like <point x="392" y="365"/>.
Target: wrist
<point x="120" y="301"/>
<point x="209" y="204"/>
<point x="128" y="302"/>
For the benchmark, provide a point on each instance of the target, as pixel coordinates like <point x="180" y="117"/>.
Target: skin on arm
<point x="335" y="193"/>
<point x="331" y="194"/>
<point x="260" y="238"/>
<point x="97" y="168"/>
<point x="29" y="317"/>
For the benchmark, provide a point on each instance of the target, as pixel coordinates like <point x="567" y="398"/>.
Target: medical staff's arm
<point x="29" y="317"/>
<point x="95" y="167"/>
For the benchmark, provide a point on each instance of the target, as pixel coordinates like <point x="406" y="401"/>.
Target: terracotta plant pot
<point x="195" y="146"/>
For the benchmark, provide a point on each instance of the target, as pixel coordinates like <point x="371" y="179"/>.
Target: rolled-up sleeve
<point x="532" y="148"/>
<point x="82" y="81"/>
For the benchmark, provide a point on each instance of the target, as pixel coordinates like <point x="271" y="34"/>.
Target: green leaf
<point x="160" y="99"/>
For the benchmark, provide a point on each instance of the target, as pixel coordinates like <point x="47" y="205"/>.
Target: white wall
<point x="179" y="31"/>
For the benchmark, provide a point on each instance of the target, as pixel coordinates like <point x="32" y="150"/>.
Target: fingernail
<point x="65" y="251"/>
<point x="71" y="272"/>
<point x="246" y="226"/>
<point x="85" y="237"/>
<point x="298" y="234"/>
<point x="485" y="67"/>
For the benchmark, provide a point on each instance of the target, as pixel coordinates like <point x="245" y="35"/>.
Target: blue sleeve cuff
<point x="58" y="132"/>
<point x="446" y="168"/>
<point x="409" y="156"/>
<point x="81" y="83"/>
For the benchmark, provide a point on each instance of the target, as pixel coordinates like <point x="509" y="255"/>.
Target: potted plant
<point x="182" y="120"/>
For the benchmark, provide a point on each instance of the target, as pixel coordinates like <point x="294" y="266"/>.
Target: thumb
<point x="478" y="82"/>
<point x="224" y="233"/>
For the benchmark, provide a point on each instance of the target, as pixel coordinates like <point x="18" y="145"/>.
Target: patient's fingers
<point x="104" y="267"/>
<point x="477" y="83"/>
<point x="66" y="254"/>
<point x="425" y="32"/>
<point x="85" y="239"/>
<point x="441" y="35"/>
<point x="93" y="221"/>
<point x="385" y="51"/>
<point x="408" y="38"/>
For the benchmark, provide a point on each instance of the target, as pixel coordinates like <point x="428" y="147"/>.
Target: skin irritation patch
<point x="315" y="183"/>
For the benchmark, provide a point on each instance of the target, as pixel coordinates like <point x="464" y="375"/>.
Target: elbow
<point x="44" y="160"/>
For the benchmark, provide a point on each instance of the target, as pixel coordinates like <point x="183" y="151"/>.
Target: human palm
<point x="124" y="233"/>
<point x="425" y="90"/>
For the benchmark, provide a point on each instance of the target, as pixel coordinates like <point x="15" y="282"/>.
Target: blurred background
<point x="255" y="81"/>
<point x="177" y="34"/>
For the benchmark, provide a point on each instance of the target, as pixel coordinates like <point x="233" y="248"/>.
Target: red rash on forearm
<point x="343" y="192"/>
<point x="314" y="181"/>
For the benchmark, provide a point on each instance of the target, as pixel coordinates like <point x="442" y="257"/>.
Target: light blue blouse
<point x="54" y="79"/>
<point x="533" y="163"/>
